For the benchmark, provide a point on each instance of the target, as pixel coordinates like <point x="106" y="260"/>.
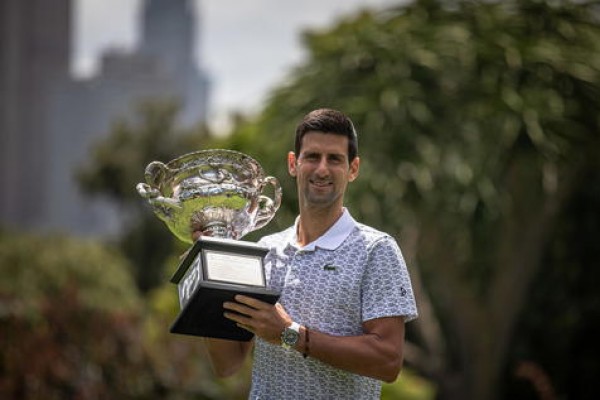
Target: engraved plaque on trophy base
<point x="214" y="271"/>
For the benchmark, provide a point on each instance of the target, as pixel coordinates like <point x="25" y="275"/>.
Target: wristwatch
<point x="290" y="335"/>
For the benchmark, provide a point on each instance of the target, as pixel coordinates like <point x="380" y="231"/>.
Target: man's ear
<point x="291" y="159"/>
<point x="354" y="167"/>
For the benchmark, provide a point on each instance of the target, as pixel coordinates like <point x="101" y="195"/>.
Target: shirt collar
<point x="334" y="236"/>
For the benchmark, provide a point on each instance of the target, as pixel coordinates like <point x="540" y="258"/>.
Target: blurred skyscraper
<point x="34" y="59"/>
<point x="49" y="120"/>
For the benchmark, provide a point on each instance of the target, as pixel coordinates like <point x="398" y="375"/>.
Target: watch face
<point x="290" y="337"/>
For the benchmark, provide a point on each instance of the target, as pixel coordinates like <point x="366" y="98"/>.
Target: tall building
<point x="53" y="120"/>
<point x="34" y="59"/>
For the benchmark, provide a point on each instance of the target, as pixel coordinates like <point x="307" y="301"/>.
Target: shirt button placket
<point x="293" y="272"/>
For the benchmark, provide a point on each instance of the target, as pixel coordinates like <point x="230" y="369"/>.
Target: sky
<point x="247" y="47"/>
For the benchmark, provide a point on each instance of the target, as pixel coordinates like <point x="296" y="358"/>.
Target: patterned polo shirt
<point x="351" y="274"/>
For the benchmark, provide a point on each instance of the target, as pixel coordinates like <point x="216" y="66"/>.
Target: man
<point x="338" y="328"/>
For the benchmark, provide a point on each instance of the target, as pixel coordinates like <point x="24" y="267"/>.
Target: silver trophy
<point x="222" y="194"/>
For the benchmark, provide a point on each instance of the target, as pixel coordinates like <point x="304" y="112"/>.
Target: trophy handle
<point x="162" y="206"/>
<point x="267" y="206"/>
<point x="147" y="191"/>
<point x="155" y="173"/>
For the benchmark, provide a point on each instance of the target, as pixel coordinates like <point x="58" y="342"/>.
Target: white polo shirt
<point x="351" y="274"/>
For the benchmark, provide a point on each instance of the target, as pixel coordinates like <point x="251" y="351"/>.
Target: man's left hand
<point x="263" y="319"/>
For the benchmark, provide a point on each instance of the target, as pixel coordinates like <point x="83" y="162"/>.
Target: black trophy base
<point x="202" y="297"/>
<point x="203" y="314"/>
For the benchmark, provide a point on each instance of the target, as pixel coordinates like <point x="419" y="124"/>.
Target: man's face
<point x="322" y="169"/>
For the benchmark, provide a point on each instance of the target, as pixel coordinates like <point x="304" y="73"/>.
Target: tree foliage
<point x="73" y="325"/>
<point x="65" y="326"/>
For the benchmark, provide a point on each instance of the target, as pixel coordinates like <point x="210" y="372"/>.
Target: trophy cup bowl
<point x="220" y="193"/>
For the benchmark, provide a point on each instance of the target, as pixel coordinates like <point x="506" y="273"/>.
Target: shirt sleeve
<point x="386" y="287"/>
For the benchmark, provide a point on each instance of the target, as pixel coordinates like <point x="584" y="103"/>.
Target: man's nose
<point x="322" y="167"/>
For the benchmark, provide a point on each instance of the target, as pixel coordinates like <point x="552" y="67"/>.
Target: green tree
<point x="478" y="122"/>
<point x="73" y="325"/>
<point x="558" y="329"/>
<point x="67" y="325"/>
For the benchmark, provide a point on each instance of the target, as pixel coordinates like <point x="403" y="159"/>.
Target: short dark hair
<point x="326" y="120"/>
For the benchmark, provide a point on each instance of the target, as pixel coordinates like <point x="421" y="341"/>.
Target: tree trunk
<point x="480" y="327"/>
